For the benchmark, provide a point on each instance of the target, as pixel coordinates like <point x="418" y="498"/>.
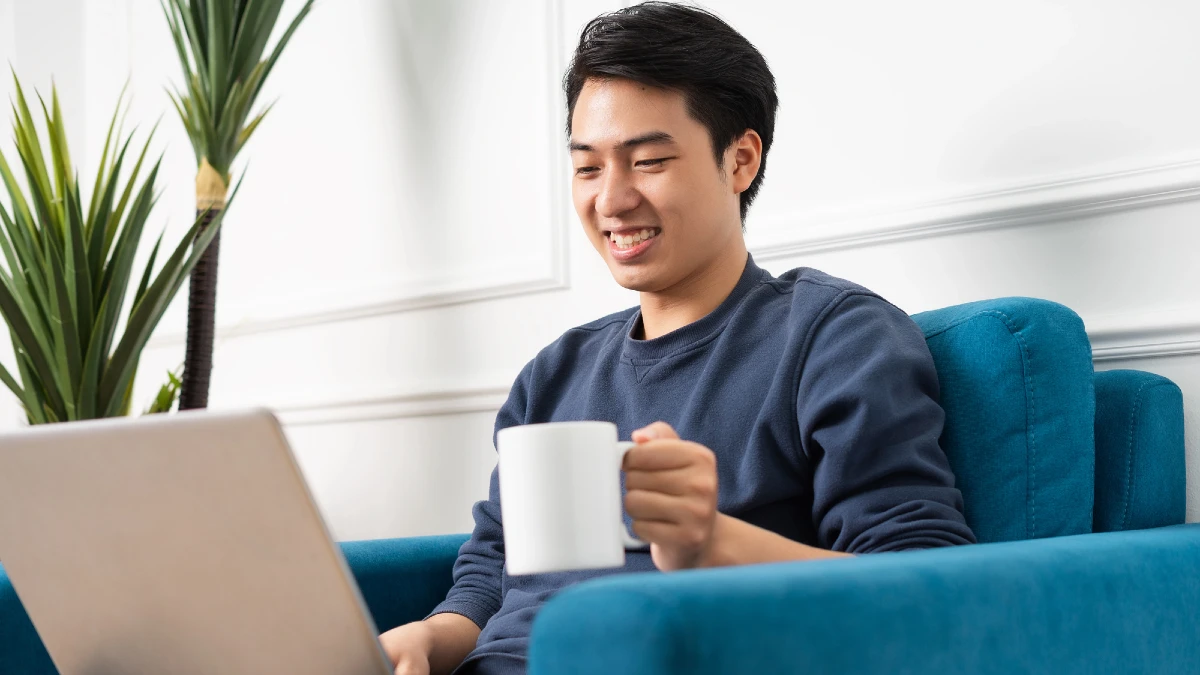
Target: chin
<point x="635" y="279"/>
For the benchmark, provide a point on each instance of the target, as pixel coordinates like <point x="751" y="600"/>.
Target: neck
<point x="695" y="296"/>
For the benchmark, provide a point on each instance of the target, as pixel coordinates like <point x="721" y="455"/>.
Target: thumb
<point x="658" y="430"/>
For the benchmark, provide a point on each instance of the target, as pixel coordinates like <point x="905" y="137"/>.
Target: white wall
<point x="404" y="242"/>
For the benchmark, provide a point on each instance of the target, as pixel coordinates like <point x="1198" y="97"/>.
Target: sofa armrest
<point x="1140" y="454"/>
<point x="401" y="580"/>
<point x="1093" y="603"/>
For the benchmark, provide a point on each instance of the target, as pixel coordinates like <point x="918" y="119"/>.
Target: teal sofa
<point x="1072" y="480"/>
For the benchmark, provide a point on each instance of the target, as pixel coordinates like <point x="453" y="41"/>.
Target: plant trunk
<point x="202" y="296"/>
<point x="202" y="313"/>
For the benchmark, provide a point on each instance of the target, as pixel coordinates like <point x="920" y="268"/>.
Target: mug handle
<point x="630" y="541"/>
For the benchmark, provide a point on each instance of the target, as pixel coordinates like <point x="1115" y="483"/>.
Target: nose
<point x="617" y="195"/>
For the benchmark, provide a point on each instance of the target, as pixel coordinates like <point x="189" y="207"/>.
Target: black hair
<point x="723" y="78"/>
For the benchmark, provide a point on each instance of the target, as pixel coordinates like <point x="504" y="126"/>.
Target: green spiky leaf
<point x="222" y="49"/>
<point x="67" y="267"/>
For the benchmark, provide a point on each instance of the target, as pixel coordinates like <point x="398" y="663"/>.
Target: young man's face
<point x="644" y="170"/>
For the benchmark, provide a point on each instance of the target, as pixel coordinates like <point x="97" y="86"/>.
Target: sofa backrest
<point x="1017" y="387"/>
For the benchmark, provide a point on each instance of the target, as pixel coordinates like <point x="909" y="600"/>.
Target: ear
<point x="743" y="160"/>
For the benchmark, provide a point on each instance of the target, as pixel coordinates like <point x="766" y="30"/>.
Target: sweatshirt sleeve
<point x="479" y="570"/>
<point x="869" y="423"/>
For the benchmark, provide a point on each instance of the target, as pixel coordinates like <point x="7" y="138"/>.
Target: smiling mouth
<point x="629" y="239"/>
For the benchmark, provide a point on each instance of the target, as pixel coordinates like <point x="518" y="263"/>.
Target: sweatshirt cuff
<point x="467" y="608"/>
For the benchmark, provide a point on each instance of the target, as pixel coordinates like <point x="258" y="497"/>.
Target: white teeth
<point x="627" y="241"/>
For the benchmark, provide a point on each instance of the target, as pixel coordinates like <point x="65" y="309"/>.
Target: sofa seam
<point x="1129" y="450"/>
<point x="1030" y="404"/>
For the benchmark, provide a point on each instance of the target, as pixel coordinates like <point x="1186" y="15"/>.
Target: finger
<point x="646" y="505"/>
<point x="682" y="481"/>
<point x="650" y="432"/>
<point x="665" y="455"/>
<point x="667" y="534"/>
<point x="657" y="456"/>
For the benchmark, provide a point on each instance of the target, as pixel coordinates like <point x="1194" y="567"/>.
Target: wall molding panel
<point x="395" y="406"/>
<point x="330" y="308"/>
<point x="398" y="303"/>
<point x="1145" y="336"/>
<point x="1035" y="203"/>
<point x="1029" y="204"/>
<point x="1114" y="338"/>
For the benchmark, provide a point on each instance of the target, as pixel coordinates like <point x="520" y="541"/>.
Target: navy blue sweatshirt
<point x="818" y="397"/>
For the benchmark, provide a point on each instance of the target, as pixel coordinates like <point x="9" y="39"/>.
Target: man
<point x="777" y="418"/>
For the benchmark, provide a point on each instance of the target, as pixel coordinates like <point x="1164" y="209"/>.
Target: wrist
<point x="718" y="552"/>
<point x="419" y="635"/>
<point x="736" y="542"/>
<point x="447" y="638"/>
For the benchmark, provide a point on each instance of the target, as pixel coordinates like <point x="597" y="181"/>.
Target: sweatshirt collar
<point x="686" y="336"/>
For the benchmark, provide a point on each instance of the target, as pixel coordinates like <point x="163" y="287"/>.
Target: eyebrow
<point x="650" y="138"/>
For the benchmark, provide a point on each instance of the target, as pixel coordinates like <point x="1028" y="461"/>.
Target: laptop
<point x="184" y="544"/>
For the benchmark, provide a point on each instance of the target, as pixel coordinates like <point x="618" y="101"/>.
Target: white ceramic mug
<point x="560" y="497"/>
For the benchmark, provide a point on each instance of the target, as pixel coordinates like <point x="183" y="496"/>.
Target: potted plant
<point x="222" y="48"/>
<point x="68" y="265"/>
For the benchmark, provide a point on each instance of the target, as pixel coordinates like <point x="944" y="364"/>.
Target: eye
<point x="586" y="170"/>
<point x="652" y="163"/>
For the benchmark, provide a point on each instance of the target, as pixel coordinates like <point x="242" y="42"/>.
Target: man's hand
<point x="671" y="494"/>
<point x="408" y="648"/>
<point x="434" y="646"/>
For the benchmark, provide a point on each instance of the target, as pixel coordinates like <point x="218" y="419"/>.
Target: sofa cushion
<point x="1016" y="385"/>
<point x="1140" y="469"/>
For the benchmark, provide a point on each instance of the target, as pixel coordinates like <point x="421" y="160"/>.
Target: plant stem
<point x="202" y="310"/>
